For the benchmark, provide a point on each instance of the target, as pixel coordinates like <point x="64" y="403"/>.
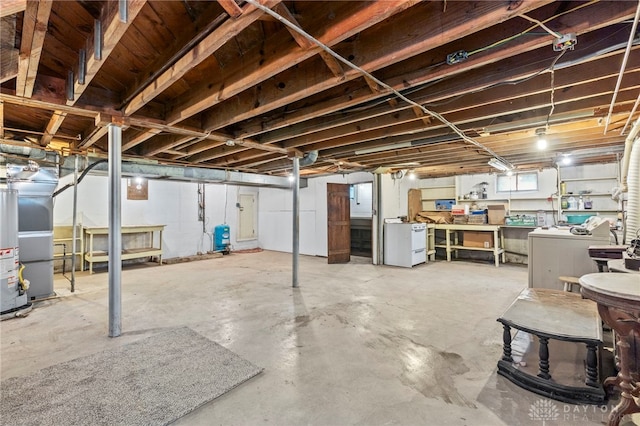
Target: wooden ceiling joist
<point x="9" y="55"/>
<point x="257" y="68"/>
<point x="305" y="43"/>
<point x="231" y="7"/>
<point x="306" y="79"/>
<point x="399" y="77"/>
<point x="52" y="127"/>
<point x="34" y="29"/>
<point x="113" y="28"/>
<point x="11" y="7"/>
<point x="195" y="56"/>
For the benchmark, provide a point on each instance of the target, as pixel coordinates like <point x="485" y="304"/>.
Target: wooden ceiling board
<point x="255" y="81"/>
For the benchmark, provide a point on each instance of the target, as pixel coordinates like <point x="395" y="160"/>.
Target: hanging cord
<point x="368" y="75"/>
<point x="84" y="173"/>
<point x="553" y="87"/>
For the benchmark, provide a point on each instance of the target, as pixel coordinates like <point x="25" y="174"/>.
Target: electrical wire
<point x="623" y="66"/>
<point x="553" y="88"/>
<point x="542" y="25"/>
<point x="353" y="66"/>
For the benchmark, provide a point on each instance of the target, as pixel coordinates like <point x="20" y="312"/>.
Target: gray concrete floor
<point x="355" y="344"/>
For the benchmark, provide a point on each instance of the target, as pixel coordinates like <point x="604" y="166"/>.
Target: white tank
<point x="11" y="295"/>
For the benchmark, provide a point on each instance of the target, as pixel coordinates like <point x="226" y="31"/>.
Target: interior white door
<point x="246" y="217"/>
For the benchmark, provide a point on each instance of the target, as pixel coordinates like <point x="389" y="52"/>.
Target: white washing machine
<point x="557" y="252"/>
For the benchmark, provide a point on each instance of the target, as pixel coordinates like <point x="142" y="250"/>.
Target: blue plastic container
<point x="221" y="238"/>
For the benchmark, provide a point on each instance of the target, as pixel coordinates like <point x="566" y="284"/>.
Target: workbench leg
<point x="496" y="249"/>
<point x="447" y="235"/>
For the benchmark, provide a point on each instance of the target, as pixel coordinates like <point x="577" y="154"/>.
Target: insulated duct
<point x="628" y="143"/>
<point x="24" y="151"/>
<point x="633" y="203"/>
<point x="309" y="158"/>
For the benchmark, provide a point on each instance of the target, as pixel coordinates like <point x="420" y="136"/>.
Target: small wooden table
<point x="618" y="299"/>
<point x="554" y="314"/>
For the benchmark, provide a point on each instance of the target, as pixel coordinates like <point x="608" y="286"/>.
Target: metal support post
<point x="74" y="232"/>
<point x="296" y="219"/>
<point x="115" y="235"/>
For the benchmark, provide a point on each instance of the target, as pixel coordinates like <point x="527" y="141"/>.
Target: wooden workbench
<point x="147" y="232"/>
<point x="451" y="242"/>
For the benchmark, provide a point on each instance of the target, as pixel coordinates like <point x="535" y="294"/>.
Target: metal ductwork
<point x="633" y="204"/>
<point x="309" y="158"/>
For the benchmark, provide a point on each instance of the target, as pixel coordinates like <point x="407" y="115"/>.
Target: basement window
<point x="527" y="181"/>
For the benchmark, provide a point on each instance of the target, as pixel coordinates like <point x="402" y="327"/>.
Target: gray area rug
<point x="153" y="381"/>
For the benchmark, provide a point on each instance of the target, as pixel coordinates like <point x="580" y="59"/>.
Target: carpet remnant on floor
<point x="153" y="381"/>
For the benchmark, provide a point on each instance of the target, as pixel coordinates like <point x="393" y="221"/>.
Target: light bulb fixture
<point x="497" y="164"/>
<point x="566" y="160"/>
<point x="541" y="142"/>
<point x="291" y="178"/>
<point x="412" y="175"/>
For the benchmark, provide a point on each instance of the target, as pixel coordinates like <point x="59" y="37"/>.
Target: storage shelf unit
<point x="146" y="237"/>
<point x="595" y="188"/>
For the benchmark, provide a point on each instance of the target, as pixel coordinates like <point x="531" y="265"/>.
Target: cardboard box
<point x="496" y="214"/>
<point x="477" y="239"/>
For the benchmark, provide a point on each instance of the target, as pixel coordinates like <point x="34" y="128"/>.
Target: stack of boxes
<point x="460" y="213"/>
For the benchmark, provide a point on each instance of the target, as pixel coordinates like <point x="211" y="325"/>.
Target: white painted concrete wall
<point x="174" y="204"/>
<point x="275" y="214"/>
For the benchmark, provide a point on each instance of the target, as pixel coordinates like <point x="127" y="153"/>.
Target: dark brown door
<point x="338" y="223"/>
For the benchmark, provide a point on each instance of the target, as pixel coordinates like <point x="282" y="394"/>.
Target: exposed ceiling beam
<point x="164" y="143"/>
<point x="195" y="56"/>
<point x="231" y="7"/>
<point x="113" y="28"/>
<point x="407" y="74"/>
<point x="304" y="42"/>
<point x="138" y="138"/>
<point x="52" y="127"/>
<point x="9" y="55"/>
<point x="10" y="7"/>
<point x="380" y="48"/>
<point x="258" y="68"/>
<point x="93" y="137"/>
<point x="34" y="29"/>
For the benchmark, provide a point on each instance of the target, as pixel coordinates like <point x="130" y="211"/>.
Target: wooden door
<point x="246" y="217"/>
<point x="338" y="223"/>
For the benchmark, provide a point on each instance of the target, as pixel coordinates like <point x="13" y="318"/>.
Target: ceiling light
<point x="291" y="178"/>
<point x="412" y="175"/>
<point x="497" y="164"/>
<point x="383" y="148"/>
<point x="230" y="142"/>
<point x="566" y="160"/>
<point x="541" y="142"/>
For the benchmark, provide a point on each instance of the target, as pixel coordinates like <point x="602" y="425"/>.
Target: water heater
<point x="12" y="296"/>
